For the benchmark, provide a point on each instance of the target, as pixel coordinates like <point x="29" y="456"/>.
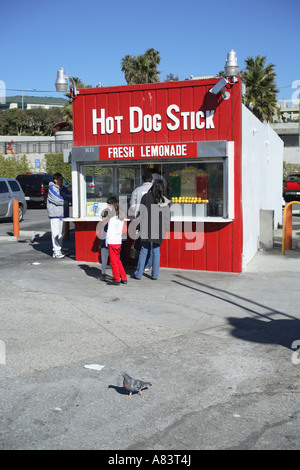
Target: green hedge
<point x="289" y="168"/>
<point x="54" y="163"/>
<point x="10" y="167"/>
<point x="14" y="165"/>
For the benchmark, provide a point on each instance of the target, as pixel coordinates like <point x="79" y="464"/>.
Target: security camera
<point x="218" y="86"/>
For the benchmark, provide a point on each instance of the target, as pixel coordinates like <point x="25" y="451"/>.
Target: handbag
<point x="134" y="253"/>
<point x="135" y="247"/>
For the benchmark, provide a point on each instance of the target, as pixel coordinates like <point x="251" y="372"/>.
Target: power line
<point x="33" y="91"/>
<point x="287" y="86"/>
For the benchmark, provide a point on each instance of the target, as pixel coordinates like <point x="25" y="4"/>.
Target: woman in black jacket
<point x="153" y="221"/>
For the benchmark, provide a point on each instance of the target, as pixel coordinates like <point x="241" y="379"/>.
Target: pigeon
<point x="33" y="237"/>
<point x="133" y="385"/>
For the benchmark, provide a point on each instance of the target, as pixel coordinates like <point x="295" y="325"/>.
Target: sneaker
<point x="147" y="270"/>
<point x="124" y="282"/>
<point x="102" y="277"/>
<point x="58" y="255"/>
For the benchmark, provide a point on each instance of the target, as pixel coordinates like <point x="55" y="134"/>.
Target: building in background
<point x="32" y="102"/>
<point x="286" y="125"/>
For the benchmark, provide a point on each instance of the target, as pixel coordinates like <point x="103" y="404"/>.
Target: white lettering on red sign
<point x="120" y="152"/>
<point x="107" y="125"/>
<point x="137" y="121"/>
<point x="147" y="151"/>
<point x="189" y="120"/>
<point x="166" y="150"/>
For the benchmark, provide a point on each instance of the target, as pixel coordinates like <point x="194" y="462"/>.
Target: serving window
<point x="188" y="183"/>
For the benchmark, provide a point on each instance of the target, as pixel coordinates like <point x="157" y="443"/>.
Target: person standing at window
<point x="134" y="206"/>
<point x="58" y="197"/>
<point x="153" y="222"/>
<point x="139" y="192"/>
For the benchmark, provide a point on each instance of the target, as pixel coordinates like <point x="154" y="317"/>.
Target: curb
<point x="8" y="238"/>
<point x="23" y="234"/>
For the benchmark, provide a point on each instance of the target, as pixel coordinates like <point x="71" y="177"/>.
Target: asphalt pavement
<point x="220" y="349"/>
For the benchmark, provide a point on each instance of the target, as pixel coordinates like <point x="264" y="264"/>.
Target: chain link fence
<point x="44" y="146"/>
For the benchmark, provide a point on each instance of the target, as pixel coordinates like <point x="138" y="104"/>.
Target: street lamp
<point x="231" y="71"/>
<point x="61" y="83"/>
<point x="231" y="65"/>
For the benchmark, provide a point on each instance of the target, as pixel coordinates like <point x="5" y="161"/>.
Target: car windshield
<point x="31" y="180"/>
<point x="47" y="178"/>
<point x="294" y="178"/>
<point x="3" y="187"/>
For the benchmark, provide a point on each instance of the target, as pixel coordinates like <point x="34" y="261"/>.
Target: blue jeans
<point x="149" y="259"/>
<point x="145" y="250"/>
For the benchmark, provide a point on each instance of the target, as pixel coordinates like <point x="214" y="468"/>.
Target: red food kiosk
<point x="181" y="131"/>
<point x="191" y="135"/>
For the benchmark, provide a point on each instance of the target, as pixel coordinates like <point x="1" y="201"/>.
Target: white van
<point x="11" y="190"/>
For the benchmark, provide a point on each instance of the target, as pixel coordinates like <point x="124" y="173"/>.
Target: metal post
<point x="16" y="219"/>
<point x="287" y="229"/>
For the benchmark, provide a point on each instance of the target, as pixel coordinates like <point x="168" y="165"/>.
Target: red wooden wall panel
<point x="174" y="247"/>
<point x="162" y="104"/>
<point x="125" y="103"/>
<point x="90" y="103"/>
<point x="174" y="252"/>
<point x="87" y="242"/>
<point x="225" y="248"/>
<point x="164" y="252"/>
<point x="236" y="136"/>
<point x="81" y="254"/>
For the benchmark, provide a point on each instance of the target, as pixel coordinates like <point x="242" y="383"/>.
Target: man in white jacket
<point x="58" y="197"/>
<point x="139" y="192"/>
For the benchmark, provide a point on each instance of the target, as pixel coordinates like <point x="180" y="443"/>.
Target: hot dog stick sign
<point x="189" y="120"/>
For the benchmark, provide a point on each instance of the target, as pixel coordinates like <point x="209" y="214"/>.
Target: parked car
<point x="10" y="190"/>
<point x="98" y="186"/>
<point x="126" y="186"/>
<point x="35" y="187"/>
<point x="292" y="188"/>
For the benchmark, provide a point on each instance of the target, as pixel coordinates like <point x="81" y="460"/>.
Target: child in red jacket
<point x="116" y="228"/>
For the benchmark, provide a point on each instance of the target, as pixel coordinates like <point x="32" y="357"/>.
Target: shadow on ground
<point x="282" y="332"/>
<point x="259" y="327"/>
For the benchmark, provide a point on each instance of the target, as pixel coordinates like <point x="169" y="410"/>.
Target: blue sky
<point x="90" y="38"/>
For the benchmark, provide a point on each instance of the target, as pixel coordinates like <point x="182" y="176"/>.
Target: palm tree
<point x="154" y="60"/>
<point x="68" y="109"/>
<point x="127" y="67"/>
<point x="141" y="69"/>
<point x="261" y="87"/>
<point x="170" y="77"/>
